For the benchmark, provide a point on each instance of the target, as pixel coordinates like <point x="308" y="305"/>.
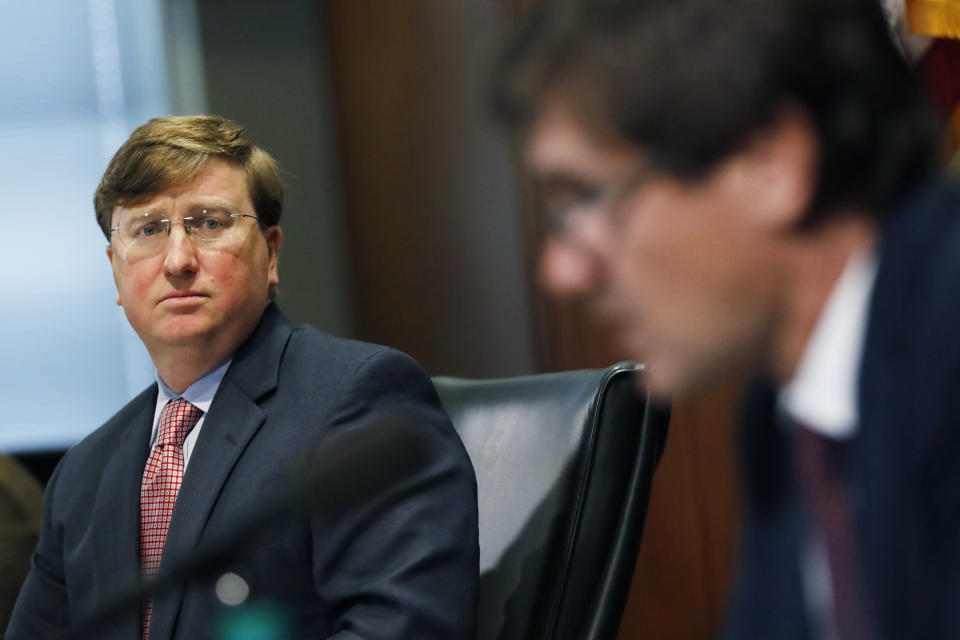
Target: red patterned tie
<point x="161" y="483"/>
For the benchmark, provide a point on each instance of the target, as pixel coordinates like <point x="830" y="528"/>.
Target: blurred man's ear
<point x="777" y="171"/>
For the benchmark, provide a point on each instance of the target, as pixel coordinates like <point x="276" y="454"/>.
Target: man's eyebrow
<point x="193" y="205"/>
<point x="211" y="203"/>
<point x="559" y="182"/>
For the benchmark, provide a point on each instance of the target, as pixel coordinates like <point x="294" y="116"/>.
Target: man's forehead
<point x="218" y="183"/>
<point x="558" y="143"/>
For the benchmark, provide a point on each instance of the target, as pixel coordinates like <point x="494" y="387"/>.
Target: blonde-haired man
<point x="190" y="207"/>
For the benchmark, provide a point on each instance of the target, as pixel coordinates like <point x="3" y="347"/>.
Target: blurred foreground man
<point x="190" y="207"/>
<point x="747" y="186"/>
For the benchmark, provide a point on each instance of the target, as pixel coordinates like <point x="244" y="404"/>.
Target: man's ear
<point x="112" y="257"/>
<point x="274" y="238"/>
<point x="777" y="171"/>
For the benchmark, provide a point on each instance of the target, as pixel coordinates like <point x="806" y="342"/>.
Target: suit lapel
<point x="234" y="418"/>
<point x="116" y="512"/>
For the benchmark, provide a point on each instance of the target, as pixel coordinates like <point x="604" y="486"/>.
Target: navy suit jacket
<point x="904" y="463"/>
<point x="402" y="566"/>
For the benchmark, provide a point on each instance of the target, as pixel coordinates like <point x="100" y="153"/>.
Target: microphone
<point x="352" y="465"/>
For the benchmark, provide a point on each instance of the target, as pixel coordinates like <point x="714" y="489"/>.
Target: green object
<point x="256" y="621"/>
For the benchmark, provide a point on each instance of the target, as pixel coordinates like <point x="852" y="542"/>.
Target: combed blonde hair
<point x="169" y="151"/>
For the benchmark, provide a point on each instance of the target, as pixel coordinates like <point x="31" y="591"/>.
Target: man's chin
<point x="651" y="380"/>
<point x="181" y="331"/>
<point x="630" y="341"/>
<point x="670" y="380"/>
<point x="662" y="376"/>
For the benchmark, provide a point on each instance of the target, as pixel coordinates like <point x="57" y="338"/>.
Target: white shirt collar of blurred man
<point x="823" y="393"/>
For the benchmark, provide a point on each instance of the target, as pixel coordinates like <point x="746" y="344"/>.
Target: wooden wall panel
<point x="438" y="267"/>
<point x="685" y="564"/>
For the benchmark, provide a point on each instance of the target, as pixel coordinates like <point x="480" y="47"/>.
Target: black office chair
<point x="564" y="464"/>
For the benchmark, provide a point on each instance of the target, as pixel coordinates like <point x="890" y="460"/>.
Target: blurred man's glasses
<point x="578" y="201"/>
<point x="143" y="235"/>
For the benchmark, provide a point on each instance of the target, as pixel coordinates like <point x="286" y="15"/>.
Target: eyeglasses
<point x="143" y="235"/>
<point x="584" y="200"/>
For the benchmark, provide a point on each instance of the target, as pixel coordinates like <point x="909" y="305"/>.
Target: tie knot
<point x="176" y="421"/>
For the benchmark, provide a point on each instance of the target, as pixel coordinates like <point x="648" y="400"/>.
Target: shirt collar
<point x="823" y="393"/>
<point x="200" y="393"/>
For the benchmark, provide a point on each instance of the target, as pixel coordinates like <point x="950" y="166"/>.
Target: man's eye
<point x="149" y="230"/>
<point x="587" y="196"/>
<point x="568" y="194"/>
<point x="571" y="199"/>
<point x="210" y="220"/>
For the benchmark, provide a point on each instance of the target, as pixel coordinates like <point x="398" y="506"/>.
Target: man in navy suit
<point x="747" y="186"/>
<point x="190" y="207"/>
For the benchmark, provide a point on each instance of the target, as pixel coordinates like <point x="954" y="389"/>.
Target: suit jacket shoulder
<point x="121" y="428"/>
<point x="906" y="456"/>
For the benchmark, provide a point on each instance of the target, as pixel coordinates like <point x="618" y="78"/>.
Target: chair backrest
<point x="564" y="464"/>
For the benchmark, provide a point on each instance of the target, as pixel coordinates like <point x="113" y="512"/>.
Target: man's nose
<point x="570" y="269"/>
<point x="180" y="252"/>
<point x="573" y="262"/>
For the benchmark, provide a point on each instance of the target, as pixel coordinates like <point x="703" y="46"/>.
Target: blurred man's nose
<point x="575" y="260"/>
<point x="569" y="269"/>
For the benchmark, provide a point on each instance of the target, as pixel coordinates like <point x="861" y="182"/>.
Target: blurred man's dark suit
<point x="403" y="566"/>
<point x="904" y="470"/>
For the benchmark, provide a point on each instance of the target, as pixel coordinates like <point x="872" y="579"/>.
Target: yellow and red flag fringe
<point x="938" y="18"/>
<point x="940" y="65"/>
<point x="940" y="69"/>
